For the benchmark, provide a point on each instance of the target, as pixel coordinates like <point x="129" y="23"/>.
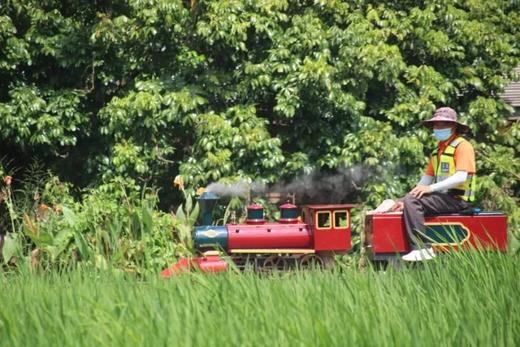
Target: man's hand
<point x="419" y="191"/>
<point x="399" y="206"/>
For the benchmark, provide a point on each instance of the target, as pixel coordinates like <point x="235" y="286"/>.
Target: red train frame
<point x="323" y="231"/>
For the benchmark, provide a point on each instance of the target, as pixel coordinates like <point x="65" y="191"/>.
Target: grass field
<point x="470" y="300"/>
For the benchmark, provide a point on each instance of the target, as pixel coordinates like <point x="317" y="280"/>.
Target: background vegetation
<point x="114" y="98"/>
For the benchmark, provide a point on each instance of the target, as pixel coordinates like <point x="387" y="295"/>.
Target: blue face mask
<point x="442" y="134"/>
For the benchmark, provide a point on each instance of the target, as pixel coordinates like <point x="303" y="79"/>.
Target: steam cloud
<point x="320" y="187"/>
<point x="316" y="187"/>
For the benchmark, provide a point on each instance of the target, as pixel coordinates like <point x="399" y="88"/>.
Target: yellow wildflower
<point x="178" y="182"/>
<point x="7" y="180"/>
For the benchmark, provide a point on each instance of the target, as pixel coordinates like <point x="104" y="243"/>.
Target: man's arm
<point x="450" y="182"/>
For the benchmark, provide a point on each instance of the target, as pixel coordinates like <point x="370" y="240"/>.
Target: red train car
<point x="386" y="236"/>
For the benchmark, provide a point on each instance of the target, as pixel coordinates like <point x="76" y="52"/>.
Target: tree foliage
<point x="263" y="90"/>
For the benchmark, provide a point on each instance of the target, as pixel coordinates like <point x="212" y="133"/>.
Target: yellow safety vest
<point x="444" y="167"/>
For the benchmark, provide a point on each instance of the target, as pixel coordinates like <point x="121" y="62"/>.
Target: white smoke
<point x="240" y="188"/>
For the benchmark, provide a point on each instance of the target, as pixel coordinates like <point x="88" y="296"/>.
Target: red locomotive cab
<point x="331" y="226"/>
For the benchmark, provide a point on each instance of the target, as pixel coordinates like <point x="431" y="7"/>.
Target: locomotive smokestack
<point x="207" y="202"/>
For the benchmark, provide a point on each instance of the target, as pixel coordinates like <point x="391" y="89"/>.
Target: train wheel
<point x="269" y="264"/>
<point x="274" y="263"/>
<point x="282" y="264"/>
<point x="311" y="261"/>
<point x="328" y="261"/>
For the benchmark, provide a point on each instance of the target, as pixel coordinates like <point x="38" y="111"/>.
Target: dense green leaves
<point x="261" y="90"/>
<point x="49" y="119"/>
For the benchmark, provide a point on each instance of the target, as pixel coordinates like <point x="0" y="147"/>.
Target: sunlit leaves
<point x="262" y="90"/>
<point x="234" y="143"/>
<point x="33" y="117"/>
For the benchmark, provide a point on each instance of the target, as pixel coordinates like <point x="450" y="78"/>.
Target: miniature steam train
<point x="313" y="237"/>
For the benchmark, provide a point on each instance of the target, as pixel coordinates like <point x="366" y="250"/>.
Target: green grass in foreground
<point x="470" y="299"/>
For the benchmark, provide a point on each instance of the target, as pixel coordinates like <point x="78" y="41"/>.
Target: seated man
<point x="448" y="185"/>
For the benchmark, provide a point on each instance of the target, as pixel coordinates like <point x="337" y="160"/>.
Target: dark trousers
<point x="429" y="204"/>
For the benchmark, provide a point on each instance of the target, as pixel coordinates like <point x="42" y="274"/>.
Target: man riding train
<point x="447" y="186"/>
<point x="443" y="195"/>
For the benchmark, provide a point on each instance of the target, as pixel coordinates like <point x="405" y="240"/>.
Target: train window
<point x="341" y="219"/>
<point x="323" y="220"/>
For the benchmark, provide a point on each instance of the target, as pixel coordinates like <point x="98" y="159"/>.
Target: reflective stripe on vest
<point x="444" y="167"/>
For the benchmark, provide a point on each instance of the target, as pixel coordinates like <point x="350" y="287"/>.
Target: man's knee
<point x="410" y="201"/>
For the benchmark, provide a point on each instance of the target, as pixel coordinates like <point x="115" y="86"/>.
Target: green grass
<point x="470" y="299"/>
